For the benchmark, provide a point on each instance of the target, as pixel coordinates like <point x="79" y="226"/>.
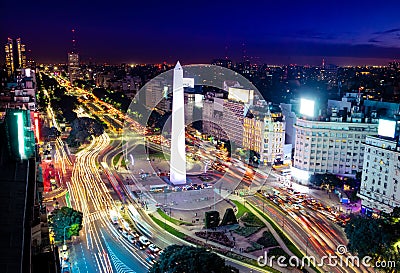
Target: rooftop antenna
<point x="73" y="41"/>
<point x="244" y="52"/>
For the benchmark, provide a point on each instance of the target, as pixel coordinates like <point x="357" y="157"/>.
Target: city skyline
<point x="274" y="33"/>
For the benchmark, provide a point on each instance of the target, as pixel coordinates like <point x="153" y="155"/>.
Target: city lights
<point x="387" y="128"/>
<point x="21" y="136"/>
<point x="307" y="107"/>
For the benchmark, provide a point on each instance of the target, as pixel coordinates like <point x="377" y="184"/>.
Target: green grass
<point x="254" y="246"/>
<point x="277" y="251"/>
<point x="241" y="209"/>
<point x="172" y="220"/>
<point x="267" y="239"/>
<point x="290" y="245"/>
<point x="168" y="228"/>
<point x="250" y="220"/>
<point x="116" y="159"/>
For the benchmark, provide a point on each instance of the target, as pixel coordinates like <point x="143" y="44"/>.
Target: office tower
<point x="73" y="61"/>
<point x="178" y="153"/>
<point x="73" y="66"/>
<point x="156" y="95"/>
<point x="15" y="55"/>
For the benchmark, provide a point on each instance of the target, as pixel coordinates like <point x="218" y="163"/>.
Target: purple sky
<point x="274" y="32"/>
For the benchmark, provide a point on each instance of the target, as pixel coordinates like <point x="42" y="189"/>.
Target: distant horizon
<point x="301" y="61"/>
<point x="345" y="33"/>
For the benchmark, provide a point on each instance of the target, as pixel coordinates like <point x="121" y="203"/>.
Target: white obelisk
<point x="178" y="153"/>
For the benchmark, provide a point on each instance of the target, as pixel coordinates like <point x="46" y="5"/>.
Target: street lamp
<point x="64" y="245"/>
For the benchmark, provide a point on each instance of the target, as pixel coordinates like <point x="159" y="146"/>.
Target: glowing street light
<point x="64" y="245"/>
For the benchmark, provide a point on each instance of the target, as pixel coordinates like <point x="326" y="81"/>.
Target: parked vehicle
<point x="144" y="241"/>
<point x="153" y="248"/>
<point x="131" y="239"/>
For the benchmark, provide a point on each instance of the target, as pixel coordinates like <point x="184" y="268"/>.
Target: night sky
<point x="274" y="32"/>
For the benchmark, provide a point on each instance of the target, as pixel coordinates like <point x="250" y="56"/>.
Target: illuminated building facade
<point x="15" y="56"/>
<point x="380" y="187"/>
<point x="21" y="94"/>
<point x="156" y="95"/>
<point x="264" y="133"/>
<point x="331" y="146"/>
<point x="73" y="66"/>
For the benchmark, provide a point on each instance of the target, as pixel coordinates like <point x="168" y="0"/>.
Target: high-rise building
<point x="380" y="188"/>
<point x="15" y="55"/>
<point x="73" y="66"/>
<point x="156" y="95"/>
<point x="232" y="121"/>
<point x="73" y="61"/>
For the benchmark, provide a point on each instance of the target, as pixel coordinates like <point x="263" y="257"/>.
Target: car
<point x="150" y="260"/>
<point x="144" y="241"/>
<point x="131" y="239"/>
<point x="134" y="234"/>
<point x="140" y="245"/>
<point x="125" y="234"/>
<point x="153" y="248"/>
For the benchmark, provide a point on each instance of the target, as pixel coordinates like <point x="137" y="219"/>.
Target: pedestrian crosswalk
<point x="118" y="264"/>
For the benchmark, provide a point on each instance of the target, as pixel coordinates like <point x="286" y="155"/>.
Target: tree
<point x="178" y="259"/>
<point x="82" y="128"/>
<point x="229" y="218"/>
<point x="50" y="132"/>
<point x="68" y="219"/>
<point x="254" y="158"/>
<point x="368" y="236"/>
<point x="326" y="179"/>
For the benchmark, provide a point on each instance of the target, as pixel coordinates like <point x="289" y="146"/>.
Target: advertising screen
<point x="387" y="128"/>
<point x="307" y="107"/>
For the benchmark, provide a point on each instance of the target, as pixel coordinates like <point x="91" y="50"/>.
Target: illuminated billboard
<point x="307" y="107"/>
<point x="19" y="133"/>
<point x="387" y="128"/>
<point x="242" y="95"/>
